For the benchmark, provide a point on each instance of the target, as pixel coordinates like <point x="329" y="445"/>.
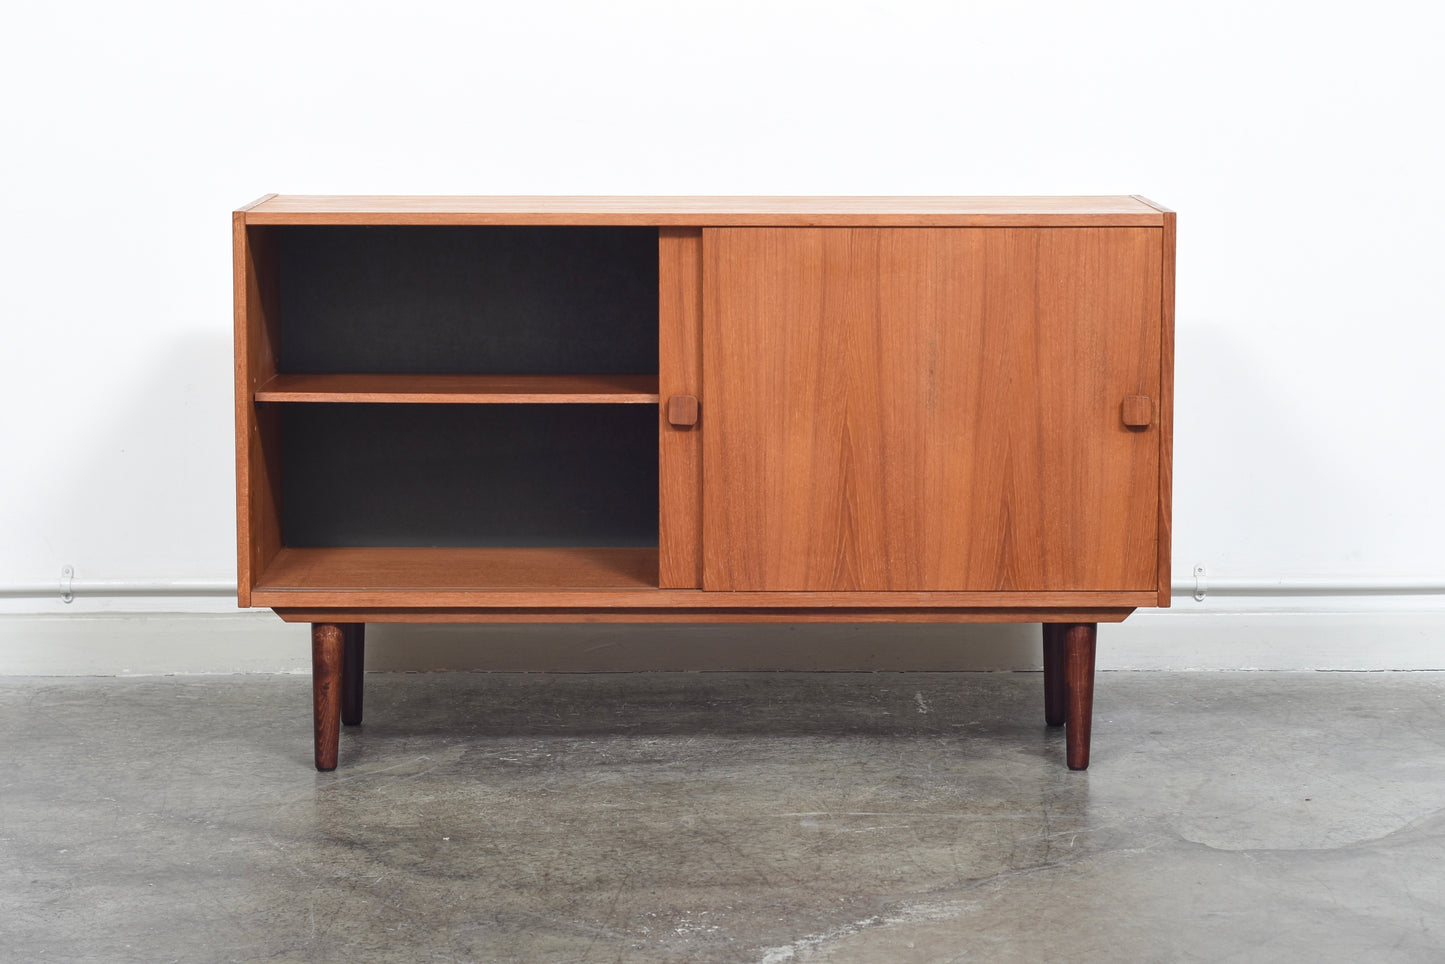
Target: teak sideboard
<point x="690" y="409"/>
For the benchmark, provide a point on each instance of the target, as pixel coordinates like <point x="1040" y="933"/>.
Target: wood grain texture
<point x="1079" y="647"/>
<point x="470" y="569"/>
<point x="463" y="389"/>
<point x="944" y="614"/>
<point x="680" y="481"/>
<point x="929" y="409"/>
<point x="709" y="211"/>
<point x="1166" y="410"/>
<point x="258" y="469"/>
<point x="327" y="641"/>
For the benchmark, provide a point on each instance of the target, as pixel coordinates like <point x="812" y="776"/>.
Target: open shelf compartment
<point x="448" y="408"/>
<point x="467" y="300"/>
<point x="468" y="476"/>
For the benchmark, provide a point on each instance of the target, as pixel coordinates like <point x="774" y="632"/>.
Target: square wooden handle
<point x="1138" y="411"/>
<point x="682" y="410"/>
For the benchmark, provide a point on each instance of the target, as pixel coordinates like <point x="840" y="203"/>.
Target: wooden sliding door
<point x="930" y="409"/>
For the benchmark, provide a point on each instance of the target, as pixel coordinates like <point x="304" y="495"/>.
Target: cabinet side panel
<point x="679" y="373"/>
<point x="258" y="515"/>
<point x="1166" y="411"/>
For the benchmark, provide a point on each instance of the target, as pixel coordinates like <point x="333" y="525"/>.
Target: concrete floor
<point x="727" y="817"/>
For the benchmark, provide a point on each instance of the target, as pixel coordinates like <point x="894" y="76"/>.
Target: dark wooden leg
<point x="1079" y="639"/>
<point x="352" y="665"/>
<point x="1055" y="684"/>
<point x="326" y="657"/>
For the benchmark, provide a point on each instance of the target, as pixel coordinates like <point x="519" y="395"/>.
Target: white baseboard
<point x="1334" y="633"/>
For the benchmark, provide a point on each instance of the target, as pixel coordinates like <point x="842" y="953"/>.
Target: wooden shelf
<point x="478" y="581"/>
<point x="463" y="389"/>
<point x="409" y="568"/>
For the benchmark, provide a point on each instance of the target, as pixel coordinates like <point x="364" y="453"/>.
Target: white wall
<point x="1300" y="143"/>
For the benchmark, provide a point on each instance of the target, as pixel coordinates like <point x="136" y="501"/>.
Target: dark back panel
<point x="469" y="475"/>
<point x="458" y="300"/>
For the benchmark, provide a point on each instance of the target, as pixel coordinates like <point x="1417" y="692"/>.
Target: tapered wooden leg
<point x="1055" y="683"/>
<point x="1079" y="639"/>
<point x="352" y="665"/>
<point x="326" y="660"/>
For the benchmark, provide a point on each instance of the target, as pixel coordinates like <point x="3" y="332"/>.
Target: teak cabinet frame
<point x="867" y="410"/>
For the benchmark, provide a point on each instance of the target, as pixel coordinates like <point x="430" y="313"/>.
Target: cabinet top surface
<point x="707" y="211"/>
